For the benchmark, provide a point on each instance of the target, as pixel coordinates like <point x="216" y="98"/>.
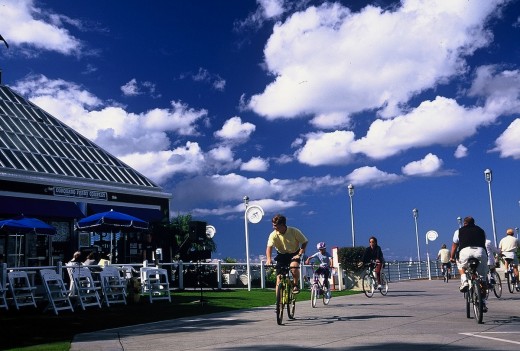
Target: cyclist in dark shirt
<point x="374" y="253"/>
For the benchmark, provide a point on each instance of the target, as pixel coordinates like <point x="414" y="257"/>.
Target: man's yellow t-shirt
<point x="286" y="243"/>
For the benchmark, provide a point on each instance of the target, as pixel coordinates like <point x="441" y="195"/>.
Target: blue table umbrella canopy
<point x="110" y="221"/>
<point x="25" y="225"/>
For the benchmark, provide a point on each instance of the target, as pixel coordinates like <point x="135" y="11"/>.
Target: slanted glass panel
<point x="19" y="142"/>
<point x="72" y="168"/>
<point x="44" y="163"/>
<point x="32" y="116"/>
<point x="4" y="160"/>
<point x="26" y="164"/>
<point x="40" y="147"/>
<point x="17" y="111"/>
<point x="2" y="142"/>
<point x="41" y="131"/>
<point x="35" y="163"/>
<point x="6" y="109"/>
<point x="64" y="147"/>
<point x="14" y="160"/>
<point x="11" y="96"/>
<point x="9" y="140"/>
<point x="22" y="125"/>
<point x="109" y="173"/>
<point x="48" y="147"/>
<point x="52" y="162"/>
<point x="58" y="149"/>
<point x="76" y="138"/>
<point x="85" y="156"/>
<point x="59" y="166"/>
<point x="28" y="143"/>
<point x="5" y="125"/>
<point x="99" y="172"/>
<point x="93" y="171"/>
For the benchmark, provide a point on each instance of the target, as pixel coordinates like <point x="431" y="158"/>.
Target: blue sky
<point x="288" y="102"/>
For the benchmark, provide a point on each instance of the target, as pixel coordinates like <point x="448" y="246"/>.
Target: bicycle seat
<point x="473" y="263"/>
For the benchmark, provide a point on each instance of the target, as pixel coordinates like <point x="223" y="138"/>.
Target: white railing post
<point x="262" y="275"/>
<point x="219" y="274"/>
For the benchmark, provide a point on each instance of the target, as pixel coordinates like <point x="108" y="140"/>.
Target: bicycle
<point x="318" y="289"/>
<point x="445" y="272"/>
<point x="512" y="283"/>
<point x="370" y="281"/>
<point x="475" y="292"/>
<point x="285" y="298"/>
<point x="495" y="284"/>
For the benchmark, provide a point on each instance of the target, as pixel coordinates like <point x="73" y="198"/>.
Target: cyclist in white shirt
<point x="508" y="247"/>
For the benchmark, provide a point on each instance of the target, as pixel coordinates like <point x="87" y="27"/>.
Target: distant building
<point x="49" y="171"/>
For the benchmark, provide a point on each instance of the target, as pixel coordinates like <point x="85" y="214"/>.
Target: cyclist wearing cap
<point x="290" y="243"/>
<point x="508" y="247"/>
<point x="325" y="261"/>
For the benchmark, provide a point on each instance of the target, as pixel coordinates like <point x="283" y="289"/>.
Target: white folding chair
<point x="57" y="294"/>
<point x="21" y="289"/>
<point x="155" y="283"/>
<point x="113" y="287"/>
<point x="84" y="287"/>
<point x="3" y="301"/>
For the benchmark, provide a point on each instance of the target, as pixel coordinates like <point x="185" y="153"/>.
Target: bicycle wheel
<point x="368" y="285"/>
<point x="291" y="302"/>
<point x="384" y="284"/>
<point x="476" y="297"/>
<point x="327" y="294"/>
<point x="497" y="288"/>
<point x="279" y="303"/>
<point x="510" y="285"/>
<point x="314" y="294"/>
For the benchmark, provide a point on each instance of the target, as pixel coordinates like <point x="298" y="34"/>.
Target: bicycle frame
<point x="318" y="289"/>
<point x="369" y="281"/>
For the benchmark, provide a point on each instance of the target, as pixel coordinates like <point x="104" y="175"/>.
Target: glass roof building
<point x="49" y="171"/>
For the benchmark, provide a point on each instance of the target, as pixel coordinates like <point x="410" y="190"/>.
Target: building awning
<point x="10" y="205"/>
<point x="147" y="214"/>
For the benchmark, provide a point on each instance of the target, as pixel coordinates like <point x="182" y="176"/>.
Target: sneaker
<point x="296" y="290"/>
<point x="379" y="287"/>
<point x="464" y="286"/>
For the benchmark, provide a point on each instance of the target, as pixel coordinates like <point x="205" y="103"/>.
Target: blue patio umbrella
<point x="25" y="225"/>
<point x="111" y="221"/>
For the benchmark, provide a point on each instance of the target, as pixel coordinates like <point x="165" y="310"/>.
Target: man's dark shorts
<point x="284" y="261"/>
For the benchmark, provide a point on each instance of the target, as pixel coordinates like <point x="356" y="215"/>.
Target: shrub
<point x="349" y="257"/>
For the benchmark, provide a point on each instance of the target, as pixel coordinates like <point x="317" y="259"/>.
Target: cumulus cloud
<point x="255" y="164"/>
<point x="133" y="88"/>
<point x="429" y="165"/>
<point x="326" y="148"/>
<point x="203" y="75"/>
<point x="139" y="139"/>
<point x="461" y="151"/>
<point x="372" y="176"/>
<point x="235" y="131"/>
<point x="347" y="67"/>
<point x="32" y="28"/>
<point x="508" y="144"/>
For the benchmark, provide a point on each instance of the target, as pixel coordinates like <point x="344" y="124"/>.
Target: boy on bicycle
<point x="325" y="262"/>
<point x="444" y="257"/>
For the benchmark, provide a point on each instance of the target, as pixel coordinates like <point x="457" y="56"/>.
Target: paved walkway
<point x="415" y="315"/>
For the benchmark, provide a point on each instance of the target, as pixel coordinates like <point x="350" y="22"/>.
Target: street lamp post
<point x="489" y="177"/>
<point x="351" y="194"/>
<point x="459" y="220"/>
<point x="246" y="202"/>
<point x="415" y="215"/>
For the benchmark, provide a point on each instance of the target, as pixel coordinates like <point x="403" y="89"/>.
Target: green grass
<point x="30" y="330"/>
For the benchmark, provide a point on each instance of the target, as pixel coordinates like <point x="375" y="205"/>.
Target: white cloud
<point x="140" y="140"/>
<point x="130" y="88"/>
<point x="508" y="144"/>
<point x="461" y="151"/>
<point x="372" y="176"/>
<point x="255" y="164"/>
<point x="203" y="75"/>
<point x="347" y="66"/>
<point x="326" y="148"/>
<point x="235" y="131"/>
<point x="429" y="165"/>
<point x="25" y="25"/>
<point x="434" y="122"/>
<point x="331" y="120"/>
